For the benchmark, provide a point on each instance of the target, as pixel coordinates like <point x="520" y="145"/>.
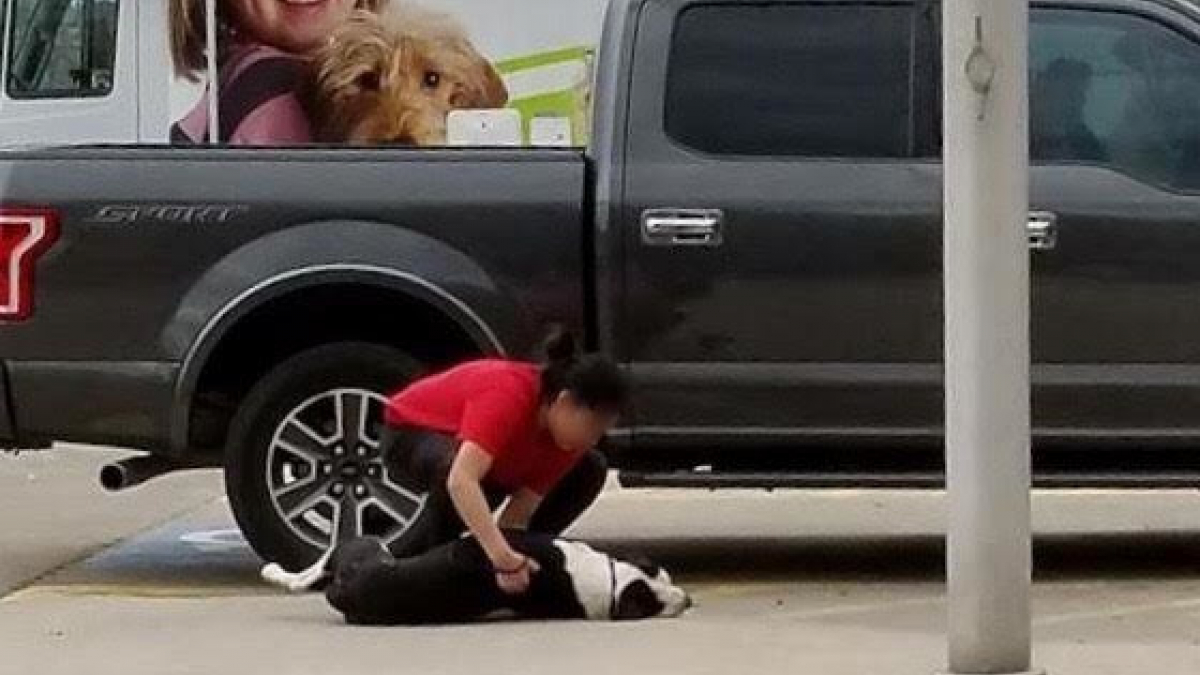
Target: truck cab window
<point x="818" y="80"/>
<point x="61" y="48"/>
<point x="1115" y="89"/>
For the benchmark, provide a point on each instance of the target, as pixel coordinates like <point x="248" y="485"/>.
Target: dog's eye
<point x="432" y="79"/>
<point x="368" y="80"/>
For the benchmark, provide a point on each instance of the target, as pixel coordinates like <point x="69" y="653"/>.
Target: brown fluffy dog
<point x="393" y="77"/>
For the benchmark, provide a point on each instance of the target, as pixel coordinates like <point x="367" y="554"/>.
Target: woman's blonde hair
<point x="188" y="28"/>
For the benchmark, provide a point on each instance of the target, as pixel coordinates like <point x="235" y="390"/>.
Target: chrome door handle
<point x="1042" y="229"/>
<point x="682" y="227"/>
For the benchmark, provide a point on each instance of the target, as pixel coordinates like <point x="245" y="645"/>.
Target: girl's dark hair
<point x="592" y="379"/>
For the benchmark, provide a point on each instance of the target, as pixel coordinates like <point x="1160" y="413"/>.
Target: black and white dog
<point x="454" y="583"/>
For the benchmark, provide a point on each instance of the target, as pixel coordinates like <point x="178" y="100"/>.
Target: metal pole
<point x="985" y="56"/>
<point x="211" y="48"/>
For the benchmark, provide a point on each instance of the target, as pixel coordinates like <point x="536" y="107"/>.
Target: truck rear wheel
<point x="303" y="465"/>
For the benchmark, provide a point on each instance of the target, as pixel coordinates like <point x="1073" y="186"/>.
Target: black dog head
<point x="645" y="590"/>
<point x="609" y="587"/>
<point x="637" y="601"/>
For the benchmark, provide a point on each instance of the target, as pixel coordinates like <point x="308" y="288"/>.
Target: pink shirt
<point x="281" y="120"/>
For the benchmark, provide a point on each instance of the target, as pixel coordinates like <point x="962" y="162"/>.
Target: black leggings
<point x="423" y="458"/>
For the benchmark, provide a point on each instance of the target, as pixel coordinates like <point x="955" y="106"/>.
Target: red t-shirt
<point x="493" y="403"/>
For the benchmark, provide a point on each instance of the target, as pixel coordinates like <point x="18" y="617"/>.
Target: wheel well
<point x="308" y="318"/>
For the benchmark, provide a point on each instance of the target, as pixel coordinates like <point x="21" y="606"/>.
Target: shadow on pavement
<point x="1119" y="555"/>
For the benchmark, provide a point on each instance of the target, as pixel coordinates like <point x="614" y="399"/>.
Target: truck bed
<point x="157" y="243"/>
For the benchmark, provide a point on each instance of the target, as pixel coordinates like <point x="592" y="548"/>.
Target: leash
<point x="612" y="589"/>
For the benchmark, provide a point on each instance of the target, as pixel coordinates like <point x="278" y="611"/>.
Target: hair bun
<point x="560" y="346"/>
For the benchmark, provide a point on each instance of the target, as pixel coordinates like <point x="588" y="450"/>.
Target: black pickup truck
<point x="755" y="232"/>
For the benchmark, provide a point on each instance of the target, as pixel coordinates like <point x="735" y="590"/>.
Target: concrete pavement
<point x="800" y="582"/>
<point x="53" y="510"/>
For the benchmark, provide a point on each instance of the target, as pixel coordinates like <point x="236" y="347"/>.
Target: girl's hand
<point x="515" y="580"/>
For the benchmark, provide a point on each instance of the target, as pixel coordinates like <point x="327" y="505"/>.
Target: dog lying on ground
<point x="454" y="583"/>
<point x="392" y="77"/>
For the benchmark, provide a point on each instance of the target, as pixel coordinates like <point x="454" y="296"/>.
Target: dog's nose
<point x="687" y="602"/>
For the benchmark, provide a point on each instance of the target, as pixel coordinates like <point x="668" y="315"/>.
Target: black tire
<point x="288" y="403"/>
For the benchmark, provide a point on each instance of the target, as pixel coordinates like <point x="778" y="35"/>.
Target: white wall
<point x="506" y="28"/>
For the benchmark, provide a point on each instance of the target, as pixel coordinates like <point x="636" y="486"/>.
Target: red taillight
<point x="25" y="234"/>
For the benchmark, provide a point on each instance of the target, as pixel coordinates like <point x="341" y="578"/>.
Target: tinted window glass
<point x="62" y="48"/>
<point x="812" y="80"/>
<point x="1116" y="89"/>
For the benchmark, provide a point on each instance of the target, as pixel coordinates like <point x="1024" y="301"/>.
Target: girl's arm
<point x="520" y="509"/>
<point x="470" y="465"/>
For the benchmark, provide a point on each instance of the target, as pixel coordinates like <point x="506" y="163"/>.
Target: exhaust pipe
<point x="126" y="473"/>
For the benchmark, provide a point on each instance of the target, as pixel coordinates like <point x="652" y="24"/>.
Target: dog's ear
<point x="359" y="46"/>
<point x="344" y="72"/>
<point x="355" y="46"/>
<point x="637" y="601"/>
<point x="482" y="86"/>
